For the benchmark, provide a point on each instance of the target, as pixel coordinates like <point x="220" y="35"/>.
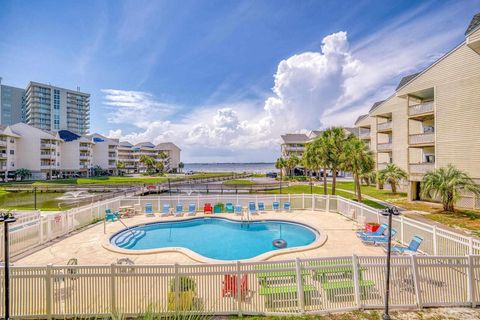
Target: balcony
<point x="48" y="146"/>
<point x="422" y="139"/>
<point x="382" y="165"/>
<point x="421" y="168"/>
<point x="3" y="143"/>
<point x="384" y="147"/>
<point x="3" y="155"/>
<point x="385" y="126"/>
<point x="364" y="135"/>
<point x="84" y="156"/>
<point x="420" y="109"/>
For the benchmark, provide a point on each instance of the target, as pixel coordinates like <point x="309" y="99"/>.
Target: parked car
<point x="271" y="175"/>
<point x="189" y="173"/>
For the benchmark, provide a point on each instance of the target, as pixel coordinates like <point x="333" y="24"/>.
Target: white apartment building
<point x="172" y="153"/>
<point x="77" y="154"/>
<point x="126" y="155"/>
<point x="8" y="152"/>
<point x="104" y="152"/>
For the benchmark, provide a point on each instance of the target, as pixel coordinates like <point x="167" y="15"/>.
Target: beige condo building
<point x="432" y="119"/>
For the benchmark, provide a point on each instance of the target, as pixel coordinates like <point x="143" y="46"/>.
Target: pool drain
<point x="279" y="243"/>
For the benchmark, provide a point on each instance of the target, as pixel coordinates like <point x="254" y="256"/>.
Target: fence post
<point x="177" y="286"/>
<point x="356" y="281"/>
<point x="402" y="230"/>
<point x="48" y="291"/>
<point x="138" y="200"/>
<point x="327" y="206"/>
<point x="301" y="294"/>
<point x="470" y="246"/>
<point x="303" y="201"/>
<point x="113" y="295"/>
<point x="416" y="282"/>
<point x="313" y="202"/>
<point x="435" y="248"/>
<point x="239" y="290"/>
<point x="471" y="282"/>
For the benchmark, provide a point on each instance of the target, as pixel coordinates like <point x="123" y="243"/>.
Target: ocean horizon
<point x="255" y="167"/>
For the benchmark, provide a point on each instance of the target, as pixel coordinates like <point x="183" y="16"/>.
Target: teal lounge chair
<point x="286" y="206"/>
<point x="252" y="208"/>
<point x="229" y="207"/>
<point x="192" y="209"/>
<point x="110" y="216"/>
<point x="261" y="207"/>
<point x="375" y="240"/>
<point x="411" y="249"/>
<point x="166" y="210"/>
<point x="179" y="210"/>
<point x="148" y="209"/>
<point x="276" y="206"/>
<point x="383" y="227"/>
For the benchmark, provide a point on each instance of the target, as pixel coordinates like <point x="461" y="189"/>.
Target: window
<point x="13" y="164"/>
<point x="12" y="140"/>
<point x="12" y="151"/>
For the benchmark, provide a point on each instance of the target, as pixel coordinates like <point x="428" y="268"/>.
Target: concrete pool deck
<point x="86" y="245"/>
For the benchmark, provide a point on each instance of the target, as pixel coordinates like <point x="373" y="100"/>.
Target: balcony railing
<point x="384" y="126"/>
<point x="421" y="168"/>
<point x="421" y="108"/>
<point x="384" y="146"/>
<point x="294" y="148"/>
<point x="364" y="135"/>
<point x="382" y="165"/>
<point x="422" y="138"/>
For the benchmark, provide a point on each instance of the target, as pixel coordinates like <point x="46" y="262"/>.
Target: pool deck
<point x="87" y="245"/>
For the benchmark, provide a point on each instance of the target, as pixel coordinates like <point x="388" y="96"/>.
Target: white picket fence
<point x="310" y="286"/>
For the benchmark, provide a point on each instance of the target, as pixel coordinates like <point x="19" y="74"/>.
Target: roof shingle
<point x="473" y="24"/>
<point x="406" y="80"/>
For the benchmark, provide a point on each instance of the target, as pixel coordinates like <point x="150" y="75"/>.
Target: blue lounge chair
<point x="192" y="209"/>
<point x="179" y="210"/>
<point x="238" y="210"/>
<point x="166" y="210"/>
<point x="383" y="227"/>
<point x="110" y="216"/>
<point x="383" y="240"/>
<point x="411" y="249"/>
<point x="261" y="207"/>
<point x="276" y="206"/>
<point x="148" y="209"/>
<point x="286" y="206"/>
<point x="252" y="208"/>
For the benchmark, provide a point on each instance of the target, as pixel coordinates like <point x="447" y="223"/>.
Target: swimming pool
<point x="216" y="238"/>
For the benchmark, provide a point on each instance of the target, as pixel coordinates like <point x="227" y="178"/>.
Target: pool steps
<point x="128" y="240"/>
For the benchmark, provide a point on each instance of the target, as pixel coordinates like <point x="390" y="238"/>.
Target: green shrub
<point x="185" y="284"/>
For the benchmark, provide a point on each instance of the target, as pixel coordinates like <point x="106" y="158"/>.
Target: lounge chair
<point x="179" y="210"/>
<point x="238" y="210"/>
<point x="207" y="208"/>
<point x="261" y="207"/>
<point x="229" y="288"/>
<point x="252" y="208"/>
<point x="166" y="210"/>
<point x="375" y="240"/>
<point x="148" y="210"/>
<point x="110" y="216"/>
<point x="276" y="206"/>
<point x="411" y="249"/>
<point x="286" y="206"/>
<point x="192" y="209"/>
<point x="229" y="207"/>
<point x="383" y="227"/>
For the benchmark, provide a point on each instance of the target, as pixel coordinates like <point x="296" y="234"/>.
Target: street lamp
<point x="6" y="217"/>
<point x="390" y="211"/>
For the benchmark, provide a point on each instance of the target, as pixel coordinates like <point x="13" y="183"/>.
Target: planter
<point x="371" y="226"/>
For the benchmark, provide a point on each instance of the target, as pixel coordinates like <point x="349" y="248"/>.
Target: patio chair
<point x="166" y="210"/>
<point x="148" y="210"/>
<point x="229" y="287"/>
<point x="110" y="216"/>
<point x="383" y="227"/>
<point x="378" y="240"/>
<point x="411" y="249"/>
<point x="179" y="210"/>
<point x="276" y="206"/>
<point x="238" y="210"/>
<point x="286" y="206"/>
<point x="229" y="207"/>
<point x="261" y="207"/>
<point x="207" y="208"/>
<point x="252" y="208"/>
<point x="192" y="209"/>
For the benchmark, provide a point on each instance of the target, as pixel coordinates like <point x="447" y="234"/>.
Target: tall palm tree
<point x="281" y="164"/>
<point x="120" y="167"/>
<point x="316" y="155"/>
<point x="335" y="138"/>
<point x="447" y="184"/>
<point x="181" y="165"/>
<point x="148" y="161"/>
<point x="392" y="174"/>
<point x="357" y="159"/>
<point x="292" y="162"/>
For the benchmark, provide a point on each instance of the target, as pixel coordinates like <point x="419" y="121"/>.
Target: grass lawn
<point x="239" y="182"/>
<point x="384" y="195"/>
<point x="466" y="219"/>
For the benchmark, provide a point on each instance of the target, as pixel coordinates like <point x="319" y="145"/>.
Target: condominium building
<point x="104" y="152"/>
<point x="432" y="119"/>
<point x="11" y="100"/>
<point x="52" y="108"/>
<point x="126" y="156"/>
<point x="77" y="154"/>
<point x="8" y="153"/>
<point x="172" y="156"/>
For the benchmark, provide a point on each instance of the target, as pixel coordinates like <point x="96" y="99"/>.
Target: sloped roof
<point x="125" y="144"/>
<point x="363" y="116"/>
<point x="376" y="104"/>
<point x="167" y="146"/>
<point x="406" y="80"/>
<point x="145" y="145"/>
<point x="474" y="23"/>
<point x="68" y="136"/>
<point x="294" y="137"/>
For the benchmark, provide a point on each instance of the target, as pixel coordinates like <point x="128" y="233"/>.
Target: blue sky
<point x="223" y="79"/>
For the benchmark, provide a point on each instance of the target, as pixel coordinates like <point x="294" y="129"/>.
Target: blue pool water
<point x="215" y="238"/>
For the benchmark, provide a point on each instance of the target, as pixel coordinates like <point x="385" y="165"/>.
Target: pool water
<point x="216" y="238"/>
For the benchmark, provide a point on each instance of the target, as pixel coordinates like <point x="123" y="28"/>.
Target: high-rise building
<point x="52" y="108"/>
<point x="10" y="104"/>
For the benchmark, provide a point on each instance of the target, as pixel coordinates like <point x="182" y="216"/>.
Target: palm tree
<point x="357" y="159"/>
<point x="280" y="164"/>
<point x="447" y="184"/>
<point x="369" y="177"/>
<point x="149" y="162"/>
<point x="159" y="166"/>
<point x="392" y="174"/>
<point x="181" y="165"/>
<point x="23" y="173"/>
<point x="120" y="167"/>
<point x="316" y="157"/>
<point x="292" y="162"/>
<point x="335" y="139"/>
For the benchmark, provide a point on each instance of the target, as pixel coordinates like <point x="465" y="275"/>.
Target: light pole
<point x="35" y="197"/>
<point x="6" y="217"/>
<point x="390" y="211"/>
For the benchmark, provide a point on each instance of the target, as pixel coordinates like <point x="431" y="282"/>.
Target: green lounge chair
<point x="229" y="208"/>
